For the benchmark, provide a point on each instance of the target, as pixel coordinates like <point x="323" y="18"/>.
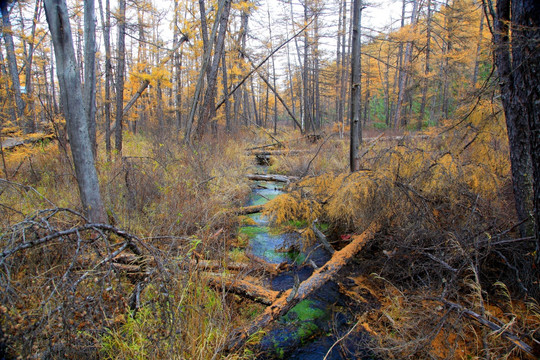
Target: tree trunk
<point x="70" y="89"/>
<point x="224" y="80"/>
<point x="12" y="65"/>
<point x="208" y="108"/>
<point x="177" y="64"/>
<point x="526" y="65"/>
<point x="308" y="121"/>
<point x="399" y="119"/>
<point x="426" y="69"/>
<point x="89" y="92"/>
<point x="343" y="81"/>
<point x="106" y="23"/>
<point x="31" y="119"/>
<point x="316" y="73"/>
<point x="478" y="50"/>
<point x="356" y="87"/>
<point x="120" y="66"/>
<point x="516" y="114"/>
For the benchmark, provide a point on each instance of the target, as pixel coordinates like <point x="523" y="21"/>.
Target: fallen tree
<point x="272" y="177"/>
<point x="246" y="210"/>
<point x="244" y="289"/>
<point x="290" y="298"/>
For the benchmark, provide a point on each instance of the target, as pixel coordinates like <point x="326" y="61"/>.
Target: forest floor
<point x="446" y="276"/>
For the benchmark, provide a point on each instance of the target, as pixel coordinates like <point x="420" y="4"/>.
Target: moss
<point x="306" y="331"/>
<point x="305" y="311"/>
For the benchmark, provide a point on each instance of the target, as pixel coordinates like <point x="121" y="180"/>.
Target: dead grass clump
<point x="421" y="326"/>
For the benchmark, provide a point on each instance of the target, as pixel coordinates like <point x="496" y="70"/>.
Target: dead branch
<point x="105" y="227"/>
<point x="494" y="327"/>
<point x="322" y="238"/>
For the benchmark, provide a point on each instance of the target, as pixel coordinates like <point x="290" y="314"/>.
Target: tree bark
<point x="70" y="89"/>
<point x="526" y="69"/>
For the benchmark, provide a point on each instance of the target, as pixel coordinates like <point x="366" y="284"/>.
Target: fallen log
<point x="290" y="298"/>
<point x="278" y="152"/>
<point x="244" y="289"/>
<point x="272" y="177"/>
<point x="246" y="210"/>
<point x="13" y="142"/>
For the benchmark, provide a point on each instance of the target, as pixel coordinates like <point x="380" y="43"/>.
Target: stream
<point x="310" y="329"/>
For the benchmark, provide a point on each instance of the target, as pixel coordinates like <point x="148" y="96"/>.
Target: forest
<point x="270" y="179"/>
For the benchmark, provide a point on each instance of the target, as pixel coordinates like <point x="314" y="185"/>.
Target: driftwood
<point x="244" y="289"/>
<point x="494" y="327"/>
<point x="272" y="177"/>
<point x="290" y="298"/>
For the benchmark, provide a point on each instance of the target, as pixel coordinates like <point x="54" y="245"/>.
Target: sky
<point x="379" y="15"/>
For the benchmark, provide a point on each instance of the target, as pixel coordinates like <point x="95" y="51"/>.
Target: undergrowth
<point x="448" y="232"/>
<point x="70" y="294"/>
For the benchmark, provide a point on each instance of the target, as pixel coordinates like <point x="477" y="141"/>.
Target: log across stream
<point x="314" y="324"/>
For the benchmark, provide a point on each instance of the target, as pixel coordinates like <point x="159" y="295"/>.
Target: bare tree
<point x="71" y="95"/>
<point x="121" y="55"/>
<point x="356" y="86"/>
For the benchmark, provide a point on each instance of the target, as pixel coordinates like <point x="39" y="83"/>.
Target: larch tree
<point x="72" y="100"/>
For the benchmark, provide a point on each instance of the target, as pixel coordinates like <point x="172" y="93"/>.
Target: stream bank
<point x="311" y="329"/>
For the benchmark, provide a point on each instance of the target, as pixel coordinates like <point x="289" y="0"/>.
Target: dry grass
<point x="66" y="298"/>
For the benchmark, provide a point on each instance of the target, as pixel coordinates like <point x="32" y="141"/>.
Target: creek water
<point x="310" y="329"/>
